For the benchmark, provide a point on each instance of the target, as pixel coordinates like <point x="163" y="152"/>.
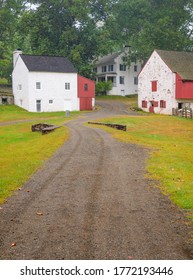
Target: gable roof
<point x="179" y="62"/>
<point x="107" y="59"/>
<point x="56" y="64"/>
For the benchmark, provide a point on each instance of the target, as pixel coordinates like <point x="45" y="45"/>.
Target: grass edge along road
<point x="23" y="152"/>
<point x="170" y="140"/>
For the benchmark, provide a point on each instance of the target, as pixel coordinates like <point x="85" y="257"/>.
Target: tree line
<point x="82" y="30"/>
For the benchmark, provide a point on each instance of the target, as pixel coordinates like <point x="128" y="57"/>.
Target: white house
<point x="166" y="82"/>
<point x="47" y="84"/>
<point x="113" y="68"/>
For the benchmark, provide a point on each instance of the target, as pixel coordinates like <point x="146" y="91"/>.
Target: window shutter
<point x="154" y="86"/>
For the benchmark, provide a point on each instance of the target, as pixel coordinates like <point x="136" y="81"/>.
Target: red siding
<point x="184" y="89"/>
<point x="86" y="91"/>
<point x="83" y="90"/>
<point x="85" y="103"/>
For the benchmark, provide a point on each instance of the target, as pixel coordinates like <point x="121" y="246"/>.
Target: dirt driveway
<point x="92" y="201"/>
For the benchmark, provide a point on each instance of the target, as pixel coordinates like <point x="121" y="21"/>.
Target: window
<point x="162" y="104"/>
<point x="20" y="87"/>
<point x="135" y="68"/>
<point x="38" y="85"/>
<point x="144" y="104"/>
<point x="122" y="80"/>
<point x="51" y="101"/>
<point x="67" y="86"/>
<point x="110" y="68"/>
<point x="122" y="67"/>
<point x="154" y="86"/>
<point x="104" y="68"/>
<point x="86" y="87"/>
<point x="95" y="70"/>
<point x="135" y="80"/>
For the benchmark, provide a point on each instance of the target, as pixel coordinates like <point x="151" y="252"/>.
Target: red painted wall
<point x="85" y="103"/>
<point x="184" y="89"/>
<point x="81" y="87"/>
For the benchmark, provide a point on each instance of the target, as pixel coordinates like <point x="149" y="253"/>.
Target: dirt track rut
<point x="92" y="201"/>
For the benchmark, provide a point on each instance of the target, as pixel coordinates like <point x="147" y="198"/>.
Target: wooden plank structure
<point x="117" y="126"/>
<point x="184" y="112"/>
<point x="44" y="128"/>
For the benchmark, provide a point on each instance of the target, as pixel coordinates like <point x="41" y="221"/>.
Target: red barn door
<point x="85" y="103"/>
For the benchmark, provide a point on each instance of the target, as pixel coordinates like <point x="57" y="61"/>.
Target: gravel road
<point x="91" y="200"/>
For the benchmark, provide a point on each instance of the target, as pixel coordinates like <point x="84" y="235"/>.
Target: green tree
<point x="103" y="87"/>
<point x="150" y="24"/>
<point x="9" y="13"/>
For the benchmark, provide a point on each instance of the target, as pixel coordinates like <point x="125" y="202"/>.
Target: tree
<point x="103" y="87"/>
<point x="69" y="27"/>
<point x="150" y="24"/>
<point x="9" y="12"/>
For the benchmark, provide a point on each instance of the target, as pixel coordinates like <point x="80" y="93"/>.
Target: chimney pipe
<point x="16" y="55"/>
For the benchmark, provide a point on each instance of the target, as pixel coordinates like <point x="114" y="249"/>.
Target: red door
<point x="151" y="109"/>
<point x="85" y="103"/>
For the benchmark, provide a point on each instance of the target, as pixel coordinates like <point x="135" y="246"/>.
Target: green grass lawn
<point x="23" y="151"/>
<point x="170" y="140"/>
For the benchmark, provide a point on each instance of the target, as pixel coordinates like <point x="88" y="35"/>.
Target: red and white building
<point x="50" y="84"/>
<point x="166" y="82"/>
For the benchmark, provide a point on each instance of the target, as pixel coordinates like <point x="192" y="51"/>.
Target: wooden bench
<point x="44" y="127"/>
<point x="113" y="125"/>
<point x="49" y="129"/>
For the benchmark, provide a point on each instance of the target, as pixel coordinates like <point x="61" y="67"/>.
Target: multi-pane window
<point x="104" y="68"/>
<point x="51" y="101"/>
<point x="122" y="80"/>
<point x="86" y="87"/>
<point x="38" y="85"/>
<point x="135" y="80"/>
<point x="135" y="68"/>
<point x="110" y="68"/>
<point x="122" y="67"/>
<point x="20" y="87"/>
<point x="67" y="86"/>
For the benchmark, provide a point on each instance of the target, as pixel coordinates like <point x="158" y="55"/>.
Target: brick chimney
<point x="16" y="55"/>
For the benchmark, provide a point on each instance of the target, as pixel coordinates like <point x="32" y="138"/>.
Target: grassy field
<point x="21" y="151"/>
<point x="170" y="140"/>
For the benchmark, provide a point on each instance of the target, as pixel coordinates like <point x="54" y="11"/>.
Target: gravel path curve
<point x="92" y="201"/>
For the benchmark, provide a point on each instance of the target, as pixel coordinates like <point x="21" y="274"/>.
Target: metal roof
<point x="56" y="64"/>
<point x="107" y="59"/>
<point x="179" y="62"/>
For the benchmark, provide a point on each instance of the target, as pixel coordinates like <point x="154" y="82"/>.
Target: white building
<point x="47" y="84"/>
<point x="166" y="82"/>
<point x="113" y="68"/>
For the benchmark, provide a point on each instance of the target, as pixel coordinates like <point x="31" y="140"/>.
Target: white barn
<point x="44" y="83"/>
<point x="166" y="82"/>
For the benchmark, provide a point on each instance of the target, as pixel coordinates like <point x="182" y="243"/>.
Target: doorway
<point x="38" y="105"/>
